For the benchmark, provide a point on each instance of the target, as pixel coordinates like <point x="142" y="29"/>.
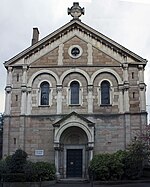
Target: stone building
<point x="73" y="94"/>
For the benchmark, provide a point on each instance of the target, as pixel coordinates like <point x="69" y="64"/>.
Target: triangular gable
<point x="66" y="117"/>
<point x="75" y="27"/>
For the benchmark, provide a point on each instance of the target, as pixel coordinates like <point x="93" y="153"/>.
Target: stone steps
<point x="73" y="181"/>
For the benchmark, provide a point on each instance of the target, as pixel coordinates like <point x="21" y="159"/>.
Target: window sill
<point x="105" y="105"/>
<point x="74" y="105"/>
<point x="44" y="106"/>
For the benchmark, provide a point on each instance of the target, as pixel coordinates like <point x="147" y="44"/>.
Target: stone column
<point x="90" y="98"/>
<point x="57" y="149"/>
<point x="8" y="90"/>
<point x="90" y="149"/>
<point x="59" y="99"/>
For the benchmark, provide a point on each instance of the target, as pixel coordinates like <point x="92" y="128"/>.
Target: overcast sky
<point x="125" y="21"/>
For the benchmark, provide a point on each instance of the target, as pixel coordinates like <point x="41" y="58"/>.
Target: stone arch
<point x="42" y="72"/>
<point x="75" y="124"/>
<point x="73" y="136"/>
<point x="107" y="70"/>
<point x="75" y="70"/>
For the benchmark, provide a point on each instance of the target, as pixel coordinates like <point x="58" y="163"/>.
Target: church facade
<point x="71" y="95"/>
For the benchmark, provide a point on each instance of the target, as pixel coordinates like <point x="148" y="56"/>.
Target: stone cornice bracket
<point x="8" y="89"/>
<point x="142" y="86"/>
<point x="140" y="67"/>
<point x="125" y="65"/>
<point x="76" y="11"/>
<point x="126" y="86"/>
<point x="23" y="88"/>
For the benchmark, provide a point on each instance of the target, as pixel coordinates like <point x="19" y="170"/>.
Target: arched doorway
<point x="73" y="144"/>
<point x="74" y="159"/>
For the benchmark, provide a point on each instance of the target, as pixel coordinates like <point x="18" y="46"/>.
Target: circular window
<point x="75" y="51"/>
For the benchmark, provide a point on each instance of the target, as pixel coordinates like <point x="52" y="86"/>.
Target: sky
<point x="124" y="21"/>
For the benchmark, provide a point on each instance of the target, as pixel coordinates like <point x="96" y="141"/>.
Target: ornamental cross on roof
<point x="76" y="11"/>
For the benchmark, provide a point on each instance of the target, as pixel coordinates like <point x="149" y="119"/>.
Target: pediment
<point x="73" y="117"/>
<point x="73" y="29"/>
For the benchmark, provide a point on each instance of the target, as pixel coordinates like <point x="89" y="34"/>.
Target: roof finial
<point x="76" y="11"/>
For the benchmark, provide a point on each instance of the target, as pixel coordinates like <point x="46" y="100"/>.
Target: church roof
<point x="75" y="24"/>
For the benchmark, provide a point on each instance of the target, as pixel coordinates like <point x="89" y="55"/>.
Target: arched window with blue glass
<point x="74" y="93"/>
<point x="45" y="90"/>
<point x="105" y="93"/>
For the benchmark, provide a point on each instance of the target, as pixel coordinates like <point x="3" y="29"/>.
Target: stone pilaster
<point x="141" y="73"/>
<point x="142" y="89"/>
<point x="90" y="98"/>
<point x="8" y="90"/>
<point x="59" y="99"/>
<point x="29" y="101"/>
<point x="121" y="103"/>
<point x="90" y="54"/>
<point x="24" y="90"/>
<point x="60" y="54"/>
<point x="126" y="88"/>
<point x="126" y="97"/>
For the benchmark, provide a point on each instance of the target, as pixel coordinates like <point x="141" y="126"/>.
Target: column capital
<point x="59" y="88"/>
<point x="90" y="88"/>
<point x="29" y="89"/>
<point x="23" y="88"/>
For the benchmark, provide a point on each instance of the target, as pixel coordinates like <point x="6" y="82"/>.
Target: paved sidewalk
<point x="101" y="185"/>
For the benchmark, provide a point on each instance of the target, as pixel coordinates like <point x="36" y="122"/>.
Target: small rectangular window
<point x="17" y="77"/>
<point x="132" y="75"/>
<point x="133" y="95"/>
<point x="16" y="97"/>
<point x="15" y="141"/>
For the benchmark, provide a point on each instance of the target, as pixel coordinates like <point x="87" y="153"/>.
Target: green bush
<point x="16" y="168"/>
<point x="134" y="159"/>
<point x="127" y="164"/>
<point x="107" y="167"/>
<point x="43" y="171"/>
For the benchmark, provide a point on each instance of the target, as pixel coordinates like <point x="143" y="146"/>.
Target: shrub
<point x="43" y="171"/>
<point x="134" y="159"/>
<point x="16" y="168"/>
<point x="122" y="164"/>
<point x="107" y="167"/>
